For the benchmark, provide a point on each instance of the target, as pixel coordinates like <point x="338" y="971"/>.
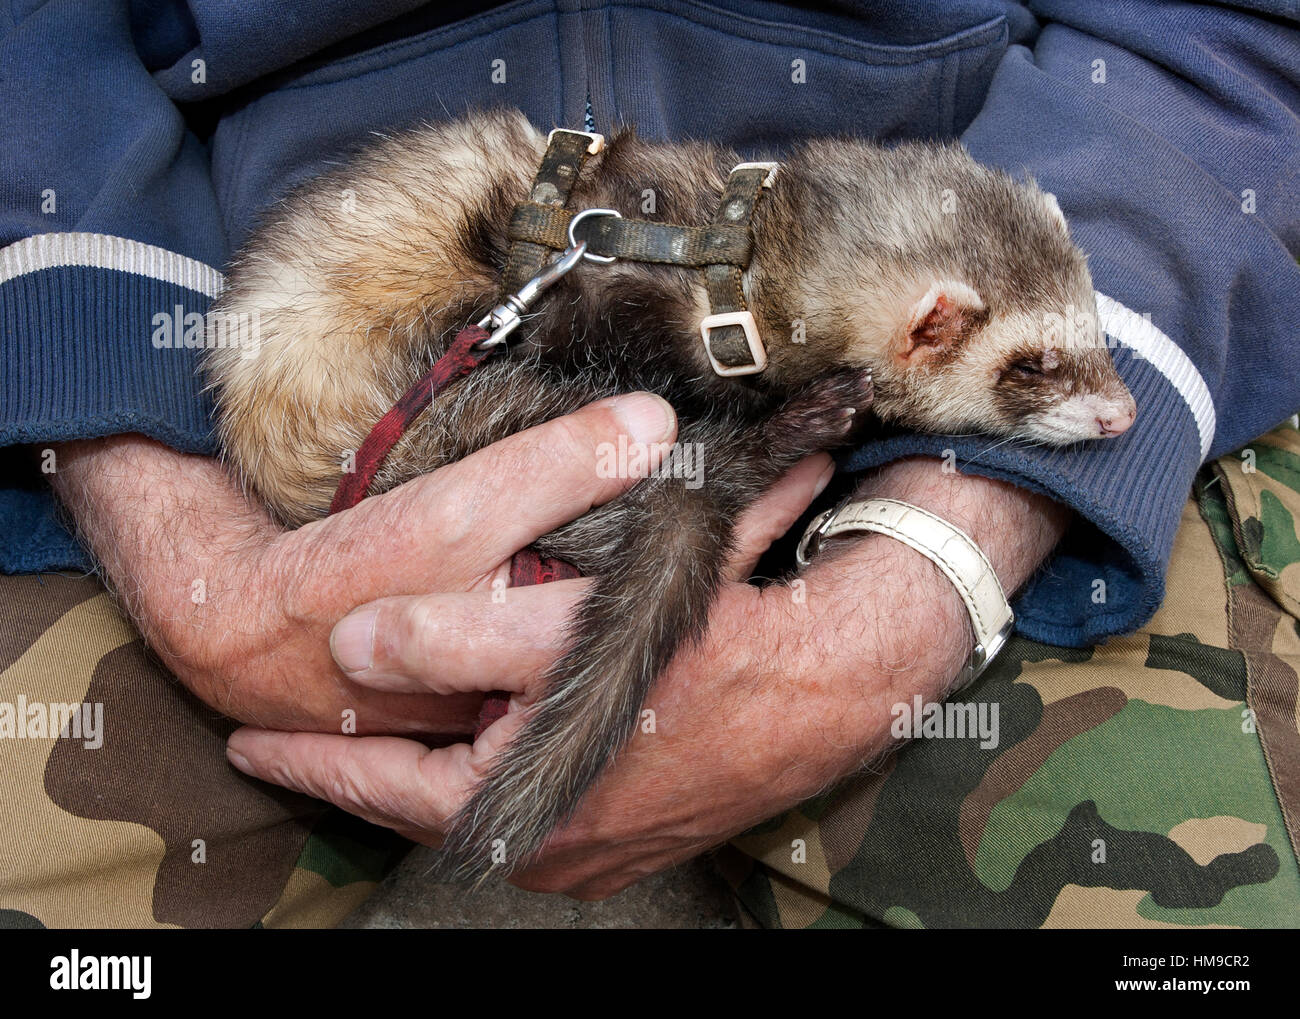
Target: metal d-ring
<point x="573" y="240"/>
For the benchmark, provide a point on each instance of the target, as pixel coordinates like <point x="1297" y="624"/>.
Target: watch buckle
<point x="982" y="655"/>
<point x="811" y="542"/>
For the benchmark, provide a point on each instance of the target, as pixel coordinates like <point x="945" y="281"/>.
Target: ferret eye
<point x="1025" y="367"/>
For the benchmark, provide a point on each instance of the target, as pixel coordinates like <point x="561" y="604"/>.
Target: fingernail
<point x="352" y="641"/>
<point x="239" y="761"/>
<point x="646" y="418"/>
<point x="824" y="480"/>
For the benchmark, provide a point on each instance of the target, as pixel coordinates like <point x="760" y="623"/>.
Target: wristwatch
<point x="948" y="547"/>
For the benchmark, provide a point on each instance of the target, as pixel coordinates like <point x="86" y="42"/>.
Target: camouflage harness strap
<point x="636" y="240"/>
<point x="566" y="153"/>
<point x="732" y="342"/>
<point x="722" y="249"/>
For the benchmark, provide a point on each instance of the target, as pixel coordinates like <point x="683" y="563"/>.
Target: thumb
<point x="778" y="509"/>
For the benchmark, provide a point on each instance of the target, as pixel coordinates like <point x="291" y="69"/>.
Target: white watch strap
<point x="948" y="547"/>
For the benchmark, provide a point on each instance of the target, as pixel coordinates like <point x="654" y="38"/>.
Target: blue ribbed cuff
<point x="86" y="355"/>
<point x="80" y="360"/>
<point x="1128" y="494"/>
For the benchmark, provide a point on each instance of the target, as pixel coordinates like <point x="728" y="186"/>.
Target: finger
<point x="385" y="780"/>
<point x="465" y="519"/>
<point x="449" y="643"/>
<point x="775" y="513"/>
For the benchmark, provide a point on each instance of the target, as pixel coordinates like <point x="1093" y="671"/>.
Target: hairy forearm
<point x="163" y="526"/>
<point x="1014" y="527"/>
<point x="236" y="608"/>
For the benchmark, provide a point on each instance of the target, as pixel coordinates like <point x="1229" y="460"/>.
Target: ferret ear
<point x="941" y="319"/>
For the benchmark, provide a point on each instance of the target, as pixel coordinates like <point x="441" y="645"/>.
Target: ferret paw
<point x="822" y="415"/>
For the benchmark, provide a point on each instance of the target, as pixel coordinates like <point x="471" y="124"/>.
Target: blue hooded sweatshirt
<point x="139" y="141"/>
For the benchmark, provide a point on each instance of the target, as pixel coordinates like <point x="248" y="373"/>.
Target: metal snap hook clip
<point x="506" y="317"/>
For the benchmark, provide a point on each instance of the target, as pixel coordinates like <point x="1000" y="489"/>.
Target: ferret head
<point x="1036" y="369"/>
<point x="960" y="289"/>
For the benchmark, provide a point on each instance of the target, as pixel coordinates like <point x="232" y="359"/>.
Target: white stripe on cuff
<point x="1138" y="334"/>
<point x="104" y="251"/>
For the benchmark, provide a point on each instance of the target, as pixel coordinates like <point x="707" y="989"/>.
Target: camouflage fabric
<point x="1153" y="781"/>
<point x="137" y="820"/>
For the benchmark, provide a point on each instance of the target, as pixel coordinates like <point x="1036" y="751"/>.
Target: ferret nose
<point x="1118" y="423"/>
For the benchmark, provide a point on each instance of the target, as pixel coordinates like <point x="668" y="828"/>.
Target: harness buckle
<point x="744" y="319"/>
<point x="596" y="142"/>
<point x="771" y="169"/>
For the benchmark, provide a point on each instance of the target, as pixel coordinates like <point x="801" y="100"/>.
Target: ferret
<point x="909" y="281"/>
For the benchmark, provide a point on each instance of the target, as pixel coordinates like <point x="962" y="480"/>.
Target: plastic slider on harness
<point x="595" y="142"/>
<point x="757" y="352"/>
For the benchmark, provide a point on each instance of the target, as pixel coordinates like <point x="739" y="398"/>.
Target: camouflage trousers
<point x="132" y="817"/>
<point x="1152" y="781"/>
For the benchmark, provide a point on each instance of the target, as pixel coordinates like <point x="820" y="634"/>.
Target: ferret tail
<point x="653" y="596"/>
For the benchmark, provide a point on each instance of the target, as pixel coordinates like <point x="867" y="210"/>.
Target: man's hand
<point x="241" y="610"/>
<point x="785" y="695"/>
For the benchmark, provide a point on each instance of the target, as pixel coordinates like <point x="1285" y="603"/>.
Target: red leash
<point x="467" y="352"/>
<point x="464" y="355"/>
